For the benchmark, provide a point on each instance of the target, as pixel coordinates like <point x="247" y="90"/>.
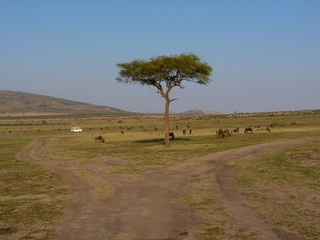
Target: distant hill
<point x="200" y="111"/>
<point x="26" y="103"/>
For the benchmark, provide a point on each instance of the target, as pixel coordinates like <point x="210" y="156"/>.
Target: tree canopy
<point x="165" y="73"/>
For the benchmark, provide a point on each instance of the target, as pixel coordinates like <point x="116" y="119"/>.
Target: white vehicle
<point x="76" y="129"/>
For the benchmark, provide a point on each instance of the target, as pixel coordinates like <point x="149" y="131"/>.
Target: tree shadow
<point x="161" y="140"/>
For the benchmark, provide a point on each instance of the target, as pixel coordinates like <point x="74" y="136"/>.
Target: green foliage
<point x="171" y="70"/>
<point x="165" y="73"/>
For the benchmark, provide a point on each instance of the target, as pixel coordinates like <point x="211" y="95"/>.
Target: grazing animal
<point x="184" y="132"/>
<point x="227" y="132"/>
<point x="273" y="125"/>
<point x="248" y="129"/>
<point x="171" y="134"/>
<point x="236" y="130"/>
<point x="223" y="133"/>
<point x="99" y="139"/>
<point x="122" y="132"/>
<point x="190" y="131"/>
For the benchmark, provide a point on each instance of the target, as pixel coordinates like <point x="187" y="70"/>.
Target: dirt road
<point x="145" y="207"/>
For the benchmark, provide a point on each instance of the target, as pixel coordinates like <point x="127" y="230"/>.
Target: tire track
<point x="146" y="208"/>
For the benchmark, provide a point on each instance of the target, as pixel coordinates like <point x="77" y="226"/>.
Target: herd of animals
<point x="226" y="132"/>
<point x="220" y="133"/>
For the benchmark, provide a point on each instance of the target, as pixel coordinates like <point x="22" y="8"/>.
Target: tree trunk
<point x="166" y="124"/>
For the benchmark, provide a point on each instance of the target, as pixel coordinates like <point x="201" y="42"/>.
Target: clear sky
<point x="265" y="53"/>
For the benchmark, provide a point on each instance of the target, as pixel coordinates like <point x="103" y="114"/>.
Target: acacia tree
<point x="165" y="73"/>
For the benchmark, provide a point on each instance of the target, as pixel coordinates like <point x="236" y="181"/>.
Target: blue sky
<point x="265" y="53"/>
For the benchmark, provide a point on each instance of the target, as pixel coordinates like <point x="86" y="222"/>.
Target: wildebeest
<point x="184" y="132"/>
<point x="220" y="133"/>
<point x="190" y="131"/>
<point x="171" y="134"/>
<point x="273" y="125"/>
<point x="248" y="129"/>
<point x="99" y="139"/>
<point x="236" y="130"/>
<point x="223" y="133"/>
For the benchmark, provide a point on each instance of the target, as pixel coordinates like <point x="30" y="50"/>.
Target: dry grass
<point x="30" y="196"/>
<point x="140" y="150"/>
<point x="285" y="185"/>
<point x="217" y="224"/>
<point x="101" y="187"/>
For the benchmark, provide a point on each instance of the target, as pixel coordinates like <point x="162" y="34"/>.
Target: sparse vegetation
<point x="218" y="224"/>
<point x="19" y="103"/>
<point x="30" y="198"/>
<point x="285" y="185"/>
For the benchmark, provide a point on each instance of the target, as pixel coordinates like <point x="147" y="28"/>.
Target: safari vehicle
<point x="76" y="129"/>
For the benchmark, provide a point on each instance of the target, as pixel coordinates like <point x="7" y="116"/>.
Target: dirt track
<point x="146" y="207"/>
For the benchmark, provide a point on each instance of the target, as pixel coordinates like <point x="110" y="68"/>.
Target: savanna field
<point x="283" y="183"/>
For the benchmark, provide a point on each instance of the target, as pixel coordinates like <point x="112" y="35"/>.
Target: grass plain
<point x="285" y="185"/>
<point x="31" y="197"/>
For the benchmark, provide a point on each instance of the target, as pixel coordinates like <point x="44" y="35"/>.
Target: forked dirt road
<point x="146" y="207"/>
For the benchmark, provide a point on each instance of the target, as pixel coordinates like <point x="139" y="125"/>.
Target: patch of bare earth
<point x="198" y="199"/>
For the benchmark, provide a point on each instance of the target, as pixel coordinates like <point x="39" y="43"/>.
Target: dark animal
<point x="99" y="139"/>
<point x="190" y="131"/>
<point x="171" y="134"/>
<point x="220" y="133"/>
<point x="273" y="125"/>
<point x="184" y="132"/>
<point x="227" y="132"/>
<point x="248" y="129"/>
<point x="236" y="130"/>
<point x="223" y="133"/>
